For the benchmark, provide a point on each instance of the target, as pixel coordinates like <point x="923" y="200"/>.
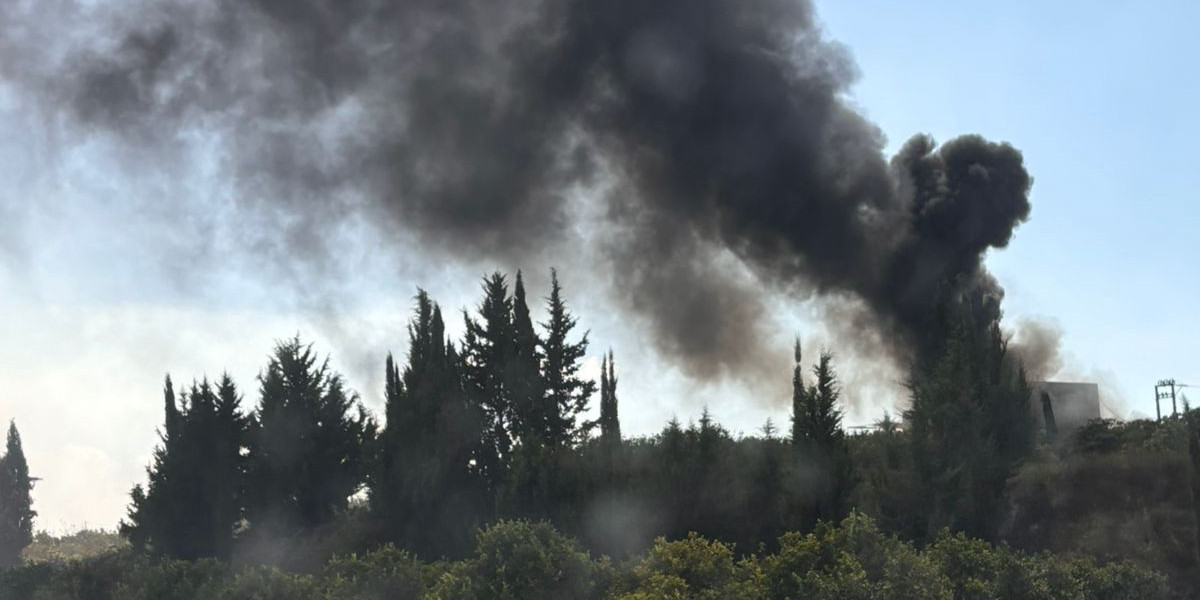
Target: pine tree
<point x="565" y="389"/>
<point x="16" y="504"/>
<point x="309" y="441"/>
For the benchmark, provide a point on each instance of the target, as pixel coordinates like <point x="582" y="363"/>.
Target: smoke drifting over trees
<point x="694" y="141"/>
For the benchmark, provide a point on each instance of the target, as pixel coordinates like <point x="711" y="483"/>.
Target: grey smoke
<point x="714" y="134"/>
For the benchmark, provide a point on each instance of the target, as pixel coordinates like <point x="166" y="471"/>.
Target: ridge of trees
<point x="496" y="426"/>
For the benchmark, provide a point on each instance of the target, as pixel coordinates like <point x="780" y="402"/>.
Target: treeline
<point x="493" y="426"/>
<point x="517" y="560"/>
<point x="487" y="427"/>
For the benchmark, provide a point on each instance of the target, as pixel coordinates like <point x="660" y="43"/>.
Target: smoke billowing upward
<point x="710" y="139"/>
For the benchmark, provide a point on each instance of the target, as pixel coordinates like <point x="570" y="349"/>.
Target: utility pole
<point x="1164" y="389"/>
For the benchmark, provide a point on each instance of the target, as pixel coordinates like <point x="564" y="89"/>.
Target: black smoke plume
<point x="706" y="145"/>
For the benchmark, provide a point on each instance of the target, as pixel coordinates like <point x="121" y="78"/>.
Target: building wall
<point x="1074" y="403"/>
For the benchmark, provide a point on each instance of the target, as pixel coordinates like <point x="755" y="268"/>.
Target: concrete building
<point x="1074" y="403"/>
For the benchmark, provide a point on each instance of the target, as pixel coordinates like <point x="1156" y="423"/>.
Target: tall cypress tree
<point x="487" y="352"/>
<point x="817" y="435"/>
<point x="565" y="389"/>
<point x="970" y="425"/>
<point x="531" y="414"/>
<point x="434" y="449"/>
<point x="799" y="400"/>
<point x="193" y="501"/>
<point x="309" y="441"/>
<point x="16" y="504"/>
<point x="610" y="423"/>
<point x="1051" y="427"/>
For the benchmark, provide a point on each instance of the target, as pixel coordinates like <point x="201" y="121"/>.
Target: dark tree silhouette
<point x="970" y="426"/>
<point x="565" y="389"/>
<point x="435" y="449"/>
<point x="193" y="500"/>
<point x="1048" y="417"/>
<point x="610" y="422"/>
<point x="487" y="352"/>
<point x="309" y="440"/>
<point x="16" y="505"/>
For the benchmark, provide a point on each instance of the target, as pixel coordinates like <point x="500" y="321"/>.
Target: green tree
<point x="487" y="352"/>
<point x="970" y="427"/>
<point x="193" y="501"/>
<point x="818" y="438"/>
<point x="565" y="389"/>
<point x="16" y="505"/>
<point x="430" y="487"/>
<point x="309" y="440"/>
<point x="531" y="414"/>
<point x="610" y="423"/>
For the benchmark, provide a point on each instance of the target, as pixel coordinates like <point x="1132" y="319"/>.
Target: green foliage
<point x="522" y="561"/>
<point x="519" y="560"/>
<point x="565" y="389"/>
<point x="435" y="460"/>
<point x="695" y="568"/>
<point x="818" y="438"/>
<point x="970" y="427"/>
<point x="308" y="444"/>
<point x="16" y="504"/>
<point x="383" y="574"/>
<point x="610" y="423"/>
<point x="269" y="583"/>
<point x="81" y="544"/>
<point x="194" y="500"/>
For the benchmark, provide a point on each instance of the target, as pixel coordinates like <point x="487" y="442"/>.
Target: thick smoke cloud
<point x="712" y="136"/>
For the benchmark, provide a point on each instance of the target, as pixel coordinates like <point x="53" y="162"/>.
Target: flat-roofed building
<point x="1074" y="403"/>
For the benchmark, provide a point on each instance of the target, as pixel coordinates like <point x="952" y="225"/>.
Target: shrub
<point x="386" y="573"/>
<point x="695" y="568"/>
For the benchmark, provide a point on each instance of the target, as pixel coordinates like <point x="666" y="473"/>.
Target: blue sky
<point x="1099" y="96"/>
<point x="1102" y="99"/>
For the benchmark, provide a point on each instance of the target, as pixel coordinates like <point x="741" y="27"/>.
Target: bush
<point x="518" y="560"/>
<point x="695" y="568"/>
<point x="269" y="583"/>
<point x="853" y="561"/>
<point x="386" y="573"/>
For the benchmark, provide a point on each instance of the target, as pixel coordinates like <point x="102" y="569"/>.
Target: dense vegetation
<point x="484" y="456"/>
<point x="515" y="560"/>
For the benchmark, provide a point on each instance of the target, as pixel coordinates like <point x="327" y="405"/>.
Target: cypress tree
<point x="309" y="441"/>
<point x="487" y="351"/>
<point x="799" y="400"/>
<point x="154" y="510"/>
<point x="970" y="426"/>
<point x="531" y="414"/>
<point x="565" y="390"/>
<point x="610" y="423"/>
<point x="434" y="449"/>
<point x="16" y="504"/>
<point x="1048" y="417"/>
<point x="192" y="504"/>
<point x="817" y="435"/>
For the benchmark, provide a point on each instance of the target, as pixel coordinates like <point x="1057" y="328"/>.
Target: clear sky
<point x="1100" y="97"/>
